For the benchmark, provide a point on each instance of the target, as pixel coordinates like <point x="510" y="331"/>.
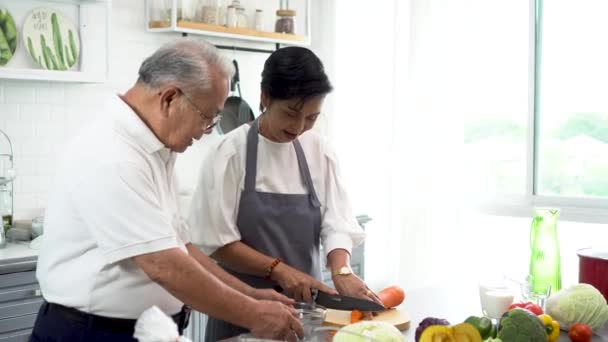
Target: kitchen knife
<point x="339" y="302"/>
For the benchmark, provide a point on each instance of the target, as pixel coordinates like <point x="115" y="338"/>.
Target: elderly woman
<point x="270" y="193"/>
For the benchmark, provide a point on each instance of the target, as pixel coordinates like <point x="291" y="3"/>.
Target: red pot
<point x="593" y="269"/>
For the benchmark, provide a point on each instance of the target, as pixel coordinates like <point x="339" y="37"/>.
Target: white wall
<point x="40" y="117"/>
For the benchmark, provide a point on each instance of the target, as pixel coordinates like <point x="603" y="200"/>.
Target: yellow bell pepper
<point x="551" y="326"/>
<point x="463" y="332"/>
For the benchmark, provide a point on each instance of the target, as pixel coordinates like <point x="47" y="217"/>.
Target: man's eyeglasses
<point x="212" y="121"/>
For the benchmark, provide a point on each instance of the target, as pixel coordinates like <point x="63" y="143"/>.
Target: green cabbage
<point x="369" y="331"/>
<point x="580" y="303"/>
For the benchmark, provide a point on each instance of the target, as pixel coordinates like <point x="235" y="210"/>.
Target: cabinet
<point x="91" y="17"/>
<point x="172" y="16"/>
<point x="20" y="299"/>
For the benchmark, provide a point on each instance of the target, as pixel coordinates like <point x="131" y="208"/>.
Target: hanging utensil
<point x="236" y="110"/>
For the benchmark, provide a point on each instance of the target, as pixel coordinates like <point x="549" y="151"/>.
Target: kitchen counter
<point x="455" y="305"/>
<point x="17" y="257"/>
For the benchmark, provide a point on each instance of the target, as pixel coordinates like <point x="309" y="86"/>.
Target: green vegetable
<point x="380" y="331"/>
<point x="580" y="303"/>
<point x="491" y="339"/>
<point x="519" y="325"/>
<point x="483" y="325"/>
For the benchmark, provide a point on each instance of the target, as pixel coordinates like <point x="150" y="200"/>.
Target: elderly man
<point x="114" y="242"/>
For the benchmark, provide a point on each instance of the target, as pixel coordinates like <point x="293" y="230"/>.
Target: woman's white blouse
<point x="215" y="204"/>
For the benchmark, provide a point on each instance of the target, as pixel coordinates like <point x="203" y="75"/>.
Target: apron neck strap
<point x="305" y="172"/>
<point x="251" y="158"/>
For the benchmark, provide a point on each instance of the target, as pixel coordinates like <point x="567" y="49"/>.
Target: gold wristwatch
<point x="342" y="271"/>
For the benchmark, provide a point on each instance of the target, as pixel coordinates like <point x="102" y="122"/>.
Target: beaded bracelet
<point x="271" y="267"/>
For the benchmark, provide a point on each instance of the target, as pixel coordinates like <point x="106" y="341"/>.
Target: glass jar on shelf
<point x="231" y="16"/>
<point x="211" y="12"/>
<point x="286" y="21"/>
<point x="258" y="24"/>
<point x="160" y="11"/>
<point x="189" y="10"/>
<point x="241" y="18"/>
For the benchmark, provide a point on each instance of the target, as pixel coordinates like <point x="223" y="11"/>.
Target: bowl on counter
<point x="311" y="316"/>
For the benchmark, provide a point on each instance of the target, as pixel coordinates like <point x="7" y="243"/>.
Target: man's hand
<point x="276" y="321"/>
<point x="298" y="284"/>
<point x="270" y="294"/>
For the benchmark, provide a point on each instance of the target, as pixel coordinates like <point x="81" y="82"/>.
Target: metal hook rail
<point x="244" y="49"/>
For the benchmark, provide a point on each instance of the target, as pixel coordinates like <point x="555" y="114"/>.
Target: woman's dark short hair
<point x="294" y="72"/>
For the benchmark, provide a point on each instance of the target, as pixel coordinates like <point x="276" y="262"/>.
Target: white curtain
<point x="407" y="73"/>
<point x="361" y="122"/>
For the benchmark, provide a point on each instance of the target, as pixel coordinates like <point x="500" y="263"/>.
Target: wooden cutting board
<point x="399" y="318"/>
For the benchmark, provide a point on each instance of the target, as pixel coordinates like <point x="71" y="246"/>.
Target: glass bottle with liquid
<point x="545" y="275"/>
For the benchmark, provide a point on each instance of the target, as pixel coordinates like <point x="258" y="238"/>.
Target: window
<point x="572" y="99"/>
<point x="539" y="130"/>
<point x="496" y="117"/>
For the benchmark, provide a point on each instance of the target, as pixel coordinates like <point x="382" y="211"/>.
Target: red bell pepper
<point x="535" y="309"/>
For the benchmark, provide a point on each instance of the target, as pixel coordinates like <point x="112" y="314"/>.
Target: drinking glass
<point x="537" y="294"/>
<point x="495" y="297"/>
<point x="311" y="316"/>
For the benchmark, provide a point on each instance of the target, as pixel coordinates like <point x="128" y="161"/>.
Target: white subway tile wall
<point x="40" y="117"/>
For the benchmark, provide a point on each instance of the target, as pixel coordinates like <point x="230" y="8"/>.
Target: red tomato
<point x="580" y="332"/>
<point x="535" y="309"/>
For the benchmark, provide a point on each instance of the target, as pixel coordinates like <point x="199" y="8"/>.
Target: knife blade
<point x="340" y="302"/>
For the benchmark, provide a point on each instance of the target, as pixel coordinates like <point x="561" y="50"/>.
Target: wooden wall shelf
<point x="242" y="33"/>
<point x="169" y="16"/>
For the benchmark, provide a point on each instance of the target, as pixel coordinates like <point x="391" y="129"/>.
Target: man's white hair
<point x="186" y="63"/>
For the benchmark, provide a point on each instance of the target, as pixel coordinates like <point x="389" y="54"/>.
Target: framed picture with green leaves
<point x="51" y="39"/>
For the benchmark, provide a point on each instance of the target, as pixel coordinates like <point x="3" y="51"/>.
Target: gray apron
<point x="287" y="226"/>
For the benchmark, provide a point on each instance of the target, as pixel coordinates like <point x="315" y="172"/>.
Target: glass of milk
<point x="495" y="297"/>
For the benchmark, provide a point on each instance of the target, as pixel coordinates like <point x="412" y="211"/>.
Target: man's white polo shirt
<point x="114" y="198"/>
